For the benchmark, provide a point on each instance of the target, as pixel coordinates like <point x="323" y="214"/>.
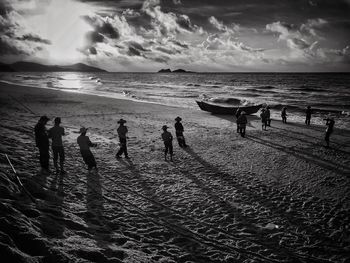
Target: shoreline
<point x="267" y="197"/>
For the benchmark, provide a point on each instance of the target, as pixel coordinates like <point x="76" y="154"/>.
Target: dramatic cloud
<point x="199" y="35"/>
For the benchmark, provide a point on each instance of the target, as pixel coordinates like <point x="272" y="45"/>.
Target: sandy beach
<point x="275" y="196"/>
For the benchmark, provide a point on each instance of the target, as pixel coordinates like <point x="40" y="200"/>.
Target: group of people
<point x="42" y="137"/>
<point x="265" y="115"/>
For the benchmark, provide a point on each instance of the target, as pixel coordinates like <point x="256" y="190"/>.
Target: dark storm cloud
<point x="167" y="51"/>
<point x="182" y="45"/>
<point x="137" y="46"/>
<point x="94" y="37"/>
<point x="34" y="38"/>
<point x="134" y="52"/>
<point x="102" y="27"/>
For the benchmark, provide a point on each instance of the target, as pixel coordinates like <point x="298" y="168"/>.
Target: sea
<point x="328" y="94"/>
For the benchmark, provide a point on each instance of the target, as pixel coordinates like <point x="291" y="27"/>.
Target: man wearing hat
<point x="168" y="142"/>
<point x="85" y="144"/>
<point x="42" y="142"/>
<point x="242" y="123"/>
<point x="122" y="131"/>
<point x="179" y="129"/>
<point x="56" y="133"/>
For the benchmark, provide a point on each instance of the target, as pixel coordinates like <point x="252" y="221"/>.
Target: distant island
<point x="168" y="70"/>
<point x="36" y="67"/>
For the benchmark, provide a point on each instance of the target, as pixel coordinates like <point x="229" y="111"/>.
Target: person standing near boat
<point x="242" y="123"/>
<point x="263" y="117"/>
<point x="179" y="129"/>
<point x="168" y="143"/>
<point x="85" y="144"/>
<point x="56" y="133"/>
<point x="42" y="142"/>
<point x="268" y="116"/>
<point x="330" y="124"/>
<point x="122" y="131"/>
<point x="284" y="114"/>
<point x="308" y="112"/>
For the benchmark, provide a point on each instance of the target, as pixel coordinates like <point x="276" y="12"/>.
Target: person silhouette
<point x="330" y="124"/>
<point x="308" y="112"/>
<point x="263" y="117"/>
<point x="268" y="116"/>
<point x="85" y="144"/>
<point x="56" y="133"/>
<point x="284" y="114"/>
<point x="242" y="123"/>
<point x="122" y="131"/>
<point x="179" y="129"/>
<point x="42" y="142"/>
<point x="168" y="143"/>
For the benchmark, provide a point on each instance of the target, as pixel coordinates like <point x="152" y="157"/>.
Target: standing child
<point x="56" y="133"/>
<point x="284" y="114"/>
<point x="168" y="143"/>
<point x="122" y="131"/>
<point x="85" y="144"/>
<point x="179" y="129"/>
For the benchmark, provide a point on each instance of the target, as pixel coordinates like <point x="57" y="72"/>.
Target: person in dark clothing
<point x="56" y="133"/>
<point x="242" y="123"/>
<point x="308" y="112"/>
<point x="268" y="116"/>
<point x="284" y="114"/>
<point x="42" y="142"/>
<point x="237" y="114"/>
<point x="330" y="124"/>
<point x="263" y="117"/>
<point x="85" y="144"/>
<point x="179" y="129"/>
<point x="168" y="143"/>
<point x="122" y="131"/>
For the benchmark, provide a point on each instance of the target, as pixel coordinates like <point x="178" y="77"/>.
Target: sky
<point x="196" y="35"/>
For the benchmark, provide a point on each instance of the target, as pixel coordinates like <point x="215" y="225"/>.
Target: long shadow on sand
<point x="186" y="244"/>
<point x="307" y="156"/>
<point x="263" y="200"/>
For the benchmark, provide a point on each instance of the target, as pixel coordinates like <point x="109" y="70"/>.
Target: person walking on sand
<point x="308" y="112"/>
<point x="56" y="133"/>
<point x="168" y="143"/>
<point x="268" y="116"/>
<point x="330" y="124"/>
<point x="284" y="114"/>
<point x="179" y="129"/>
<point x="85" y="144"/>
<point x="122" y="131"/>
<point x="242" y="123"/>
<point x="263" y="117"/>
<point x="237" y="114"/>
<point x="42" y="142"/>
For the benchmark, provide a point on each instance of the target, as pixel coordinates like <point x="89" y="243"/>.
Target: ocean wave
<point x="302" y="109"/>
<point x="311" y="88"/>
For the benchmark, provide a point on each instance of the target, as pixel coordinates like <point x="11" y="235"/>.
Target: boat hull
<point x="226" y="110"/>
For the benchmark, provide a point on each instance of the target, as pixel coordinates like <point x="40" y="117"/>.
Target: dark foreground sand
<point x="274" y="196"/>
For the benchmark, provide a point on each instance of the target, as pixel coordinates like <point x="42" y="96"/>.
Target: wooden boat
<point x="226" y="110"/>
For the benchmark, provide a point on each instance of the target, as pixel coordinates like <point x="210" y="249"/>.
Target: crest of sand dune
<point x="274" y="196"/>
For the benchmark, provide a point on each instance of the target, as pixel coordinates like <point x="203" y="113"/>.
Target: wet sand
<point x="274" y="196"/>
